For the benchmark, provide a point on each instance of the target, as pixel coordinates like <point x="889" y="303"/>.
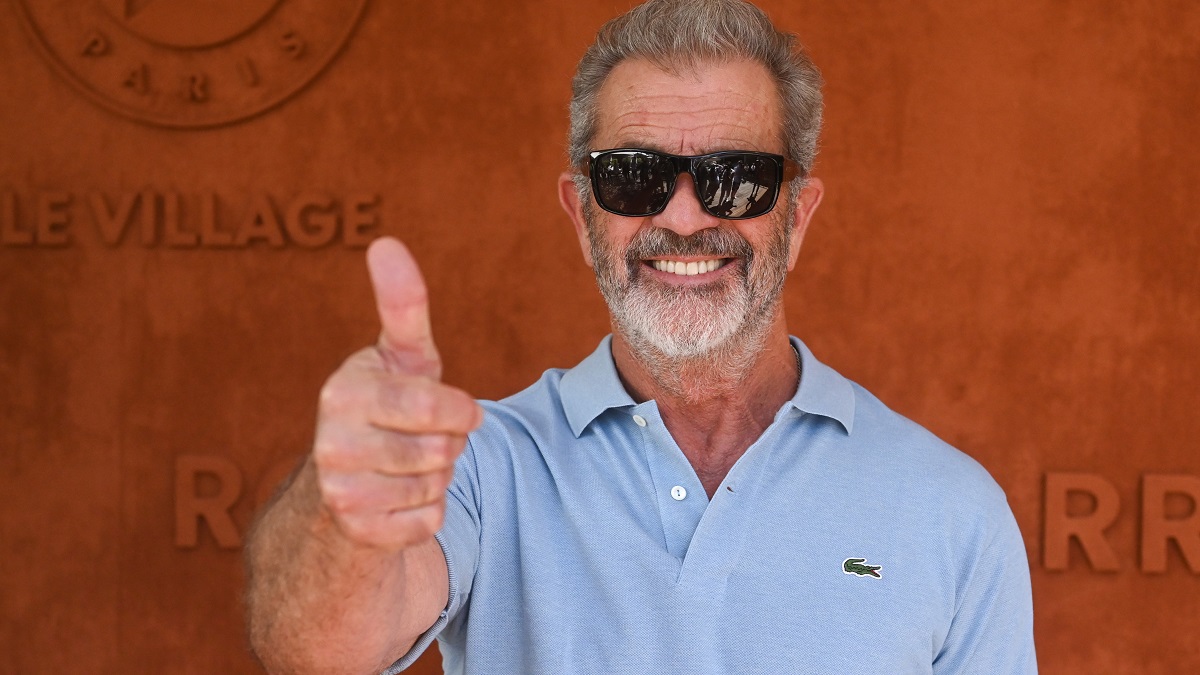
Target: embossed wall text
<point x="153" y="218"/>
<point x="1081" y="507"/>
<point x="206" y="489"/>
<point x="190" y="64"/>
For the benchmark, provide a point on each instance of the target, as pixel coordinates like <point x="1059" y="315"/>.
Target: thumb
<point x="406" y="342"/>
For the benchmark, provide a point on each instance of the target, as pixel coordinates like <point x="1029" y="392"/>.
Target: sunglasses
<point x="732" y="185"/>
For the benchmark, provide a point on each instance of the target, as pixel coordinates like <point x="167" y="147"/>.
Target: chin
<point x="684" y="328"/>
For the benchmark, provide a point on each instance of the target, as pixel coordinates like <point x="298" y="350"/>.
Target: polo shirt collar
<point x="593" y="386"/>
<point x="823" y="391"/>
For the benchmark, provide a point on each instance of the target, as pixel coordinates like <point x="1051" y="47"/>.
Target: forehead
<point x="725" y="106"/>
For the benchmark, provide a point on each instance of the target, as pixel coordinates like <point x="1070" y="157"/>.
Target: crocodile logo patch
<point x="857" y="567"/>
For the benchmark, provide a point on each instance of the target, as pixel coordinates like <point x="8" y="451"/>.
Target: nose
<point x="684" y="215"/>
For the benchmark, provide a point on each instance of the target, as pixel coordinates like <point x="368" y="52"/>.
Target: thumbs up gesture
<point x="388" y="431"/>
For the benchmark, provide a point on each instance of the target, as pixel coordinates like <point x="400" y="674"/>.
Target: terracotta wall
<point x="1007" y="253"/>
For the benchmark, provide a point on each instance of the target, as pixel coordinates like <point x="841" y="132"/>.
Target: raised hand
<point x="388" y="430"/>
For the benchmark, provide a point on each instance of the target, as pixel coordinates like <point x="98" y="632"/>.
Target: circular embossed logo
<point x="190" y="63"/>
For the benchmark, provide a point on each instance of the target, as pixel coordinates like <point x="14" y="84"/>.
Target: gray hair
<point x="684" y="34"/>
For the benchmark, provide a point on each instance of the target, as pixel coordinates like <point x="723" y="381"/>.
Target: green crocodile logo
<point x="855" y="566"/>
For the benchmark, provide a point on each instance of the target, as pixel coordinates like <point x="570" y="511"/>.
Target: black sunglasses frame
<point x="785" y="171"/>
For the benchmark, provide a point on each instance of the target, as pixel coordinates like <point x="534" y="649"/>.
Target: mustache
<point x="711" y="242"/>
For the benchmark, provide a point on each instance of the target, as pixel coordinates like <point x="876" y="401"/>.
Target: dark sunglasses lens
<point x="632" y="183"/>
<point x="738" y="186"/>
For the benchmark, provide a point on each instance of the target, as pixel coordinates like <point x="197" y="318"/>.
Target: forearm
<point x="344" y="573"/>
<point x="319" y="603"/>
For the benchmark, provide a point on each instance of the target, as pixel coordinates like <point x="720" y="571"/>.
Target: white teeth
<point x="687" y="269"/>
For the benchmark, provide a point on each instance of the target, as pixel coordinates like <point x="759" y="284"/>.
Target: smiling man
<point x="701" y="494"/>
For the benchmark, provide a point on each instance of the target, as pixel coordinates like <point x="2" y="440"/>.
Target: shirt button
<point x="639" y="420"/>
<point x="678" y="493"/>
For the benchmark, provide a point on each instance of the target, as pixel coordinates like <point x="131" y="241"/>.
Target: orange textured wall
<point x="1008" y="253"/>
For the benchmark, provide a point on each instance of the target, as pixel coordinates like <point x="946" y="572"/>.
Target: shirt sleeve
<point x="459" y="539"/>
<point x="992" y="629"/>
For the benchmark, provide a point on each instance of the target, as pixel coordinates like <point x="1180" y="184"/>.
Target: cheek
<point x="613" y="234"/>
<point x="763" y="234"/>
<point x="772" y="244"/>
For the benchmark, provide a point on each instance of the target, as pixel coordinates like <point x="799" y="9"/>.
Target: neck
<point x="715" y="406"/>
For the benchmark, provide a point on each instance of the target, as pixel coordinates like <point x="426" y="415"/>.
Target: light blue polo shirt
<point x="847" y="539"/>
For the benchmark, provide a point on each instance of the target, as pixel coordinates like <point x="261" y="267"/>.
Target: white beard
<point x="683" y="325"/>
<point x="723" y="323"/>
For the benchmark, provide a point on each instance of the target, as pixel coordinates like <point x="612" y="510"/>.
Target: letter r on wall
<point x="1158" y="530"/>
<point x="190" y="507"/>
<point x="1088" y="529"/>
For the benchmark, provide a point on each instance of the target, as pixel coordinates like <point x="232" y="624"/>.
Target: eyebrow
<point x="635" y="141"/>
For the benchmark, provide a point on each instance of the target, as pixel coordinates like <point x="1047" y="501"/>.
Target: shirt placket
<point x="677" y="490"/>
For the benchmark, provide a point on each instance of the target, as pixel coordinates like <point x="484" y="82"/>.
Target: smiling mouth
<point x="688" y="268"/>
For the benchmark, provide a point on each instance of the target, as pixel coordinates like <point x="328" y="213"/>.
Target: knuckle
<point x="338" y="395"/>
<point x="435" y="487"/>
<point x="331" y="395"/>
<point x="419" y="405"/>
<point x="422" y="406"/>
<point x="421" y="523"/>
<point x="463" y="399"/>
<point x="357" y="528"/>
<point x="326" y="452"/>
<point x="340" y="453"/>
<point x="347" y="388"/>
<point x="476" y="416"/>
<point x="467" y="412"/>
<point x="439" y="450"/>
<point x="413" y="493"/>
<point x="433" y="517"/>
<point x="337" y="496"/>
<point x="333" y="500"/>
<point x="425" y="521"/>
<point x="343" y="449"/>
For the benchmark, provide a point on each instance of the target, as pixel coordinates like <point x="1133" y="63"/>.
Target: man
<point x="700" y="495"/>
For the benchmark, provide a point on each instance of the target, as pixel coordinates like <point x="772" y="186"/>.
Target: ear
<point x="568" y="197"/>
<point x="806" y="205"/>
